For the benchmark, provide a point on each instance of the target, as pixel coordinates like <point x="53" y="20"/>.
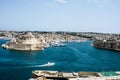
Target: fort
<point x="55" y="75"/>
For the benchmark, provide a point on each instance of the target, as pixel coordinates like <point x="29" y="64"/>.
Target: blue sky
<point x="60" y="15"/>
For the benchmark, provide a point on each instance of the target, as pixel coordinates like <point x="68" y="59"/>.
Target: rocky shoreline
<point x="107" y="44"/>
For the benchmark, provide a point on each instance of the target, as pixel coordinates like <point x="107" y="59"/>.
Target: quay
<point x="55" y="75"/>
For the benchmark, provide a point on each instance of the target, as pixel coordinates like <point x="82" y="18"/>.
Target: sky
<point x="60" y="15"/>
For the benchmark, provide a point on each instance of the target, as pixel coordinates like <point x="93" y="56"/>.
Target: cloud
<point x="61" y="1"/>
<point x="99" y="1"/>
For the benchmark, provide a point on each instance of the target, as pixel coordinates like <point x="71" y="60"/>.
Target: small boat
<point x="57" y="44"/>
<point x="48" y="64"/>
<point x="118" y="72"/>
<point x="4" y="46"/>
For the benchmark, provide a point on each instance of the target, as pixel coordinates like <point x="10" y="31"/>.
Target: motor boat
<point x="48" y="64"/>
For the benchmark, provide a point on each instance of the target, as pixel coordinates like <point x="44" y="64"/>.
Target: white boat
<point x="57" y="44"/>
<point x="4" y="46"/>
<point x="48" y="64"/>
<point x="118" y="72"/>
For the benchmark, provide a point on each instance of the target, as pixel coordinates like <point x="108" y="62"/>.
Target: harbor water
<point x="74" y="57"/>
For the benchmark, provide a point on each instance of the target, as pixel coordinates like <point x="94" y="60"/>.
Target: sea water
<point x="18" y="65"/>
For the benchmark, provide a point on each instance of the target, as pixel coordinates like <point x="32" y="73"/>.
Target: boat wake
<point x="49" y="64"/>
